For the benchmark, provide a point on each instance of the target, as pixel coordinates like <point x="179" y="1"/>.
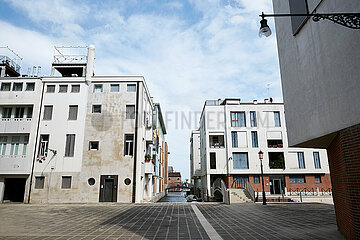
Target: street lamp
<point x="228" y="171"/>
<point x="350" y="20"/>
<point x="261" y="155"/>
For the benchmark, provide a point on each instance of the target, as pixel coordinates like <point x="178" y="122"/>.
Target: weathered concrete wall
<point x="320" y="74"/>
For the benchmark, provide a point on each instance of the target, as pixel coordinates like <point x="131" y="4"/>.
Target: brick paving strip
<point x="213" y="235"/>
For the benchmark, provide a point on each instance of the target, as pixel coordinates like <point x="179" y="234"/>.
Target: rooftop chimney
<point x="39" y="71"/>
<point x="90" y="63"/>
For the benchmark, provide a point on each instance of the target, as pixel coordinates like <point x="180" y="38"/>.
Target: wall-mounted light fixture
<point x="350" y="20"/>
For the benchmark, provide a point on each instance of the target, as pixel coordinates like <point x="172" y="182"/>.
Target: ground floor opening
<point x="14" y="189"/>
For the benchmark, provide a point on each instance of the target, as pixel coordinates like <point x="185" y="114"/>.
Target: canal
<point x="174" y="197"/>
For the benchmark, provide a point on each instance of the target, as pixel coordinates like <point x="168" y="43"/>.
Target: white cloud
<point x="184" y="63"/>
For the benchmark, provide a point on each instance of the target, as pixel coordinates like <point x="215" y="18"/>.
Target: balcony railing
<point x="15" y="125"/>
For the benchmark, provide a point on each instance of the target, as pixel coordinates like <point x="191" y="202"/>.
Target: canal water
<point x="174" y="197"/>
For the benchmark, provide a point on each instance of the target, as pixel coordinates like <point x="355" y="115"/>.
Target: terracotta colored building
<point x="174" y="179"/>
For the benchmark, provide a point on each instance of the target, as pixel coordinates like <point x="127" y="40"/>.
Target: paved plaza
<point x="168" y="221"/>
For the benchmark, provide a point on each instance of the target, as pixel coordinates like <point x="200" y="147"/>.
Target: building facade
<point x="320" y="81"/>
<point x="232" y="134"/>
<point x="195" y="163"/>
<point x="78" y="137"/>
<point x="155" y="164"/>
<point x="174" y="181"/>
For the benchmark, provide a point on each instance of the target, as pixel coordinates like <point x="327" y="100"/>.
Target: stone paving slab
<point x="167" y="221"/>
<point x="118" y="221"/>
<point x="273" y="221"/>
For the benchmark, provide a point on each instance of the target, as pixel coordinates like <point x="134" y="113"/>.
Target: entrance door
<point x="276" y="186"/>
<point x="14" y="189"/>
<point x="108" y="188"/>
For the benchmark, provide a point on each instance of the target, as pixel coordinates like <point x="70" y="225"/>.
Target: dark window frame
<point x="64" y="184"/>
<point x="298" y="7"/>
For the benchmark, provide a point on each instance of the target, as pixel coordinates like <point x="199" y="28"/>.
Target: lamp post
<point x="228" y="172"/>
<point x="261" y="155"/>
<point x="349" y="20"/>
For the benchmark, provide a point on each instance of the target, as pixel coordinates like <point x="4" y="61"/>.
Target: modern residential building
<point x="75" y="137"/>
<point x="320" y="80"/>
<point x="195" y="163"/>
<point x="231" y="135"/>
<point x="174" y="180"/>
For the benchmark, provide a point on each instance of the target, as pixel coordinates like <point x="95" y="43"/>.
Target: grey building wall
<point x="320" y="74"/>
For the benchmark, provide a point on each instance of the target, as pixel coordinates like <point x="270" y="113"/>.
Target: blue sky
<point x="188" y="50"/>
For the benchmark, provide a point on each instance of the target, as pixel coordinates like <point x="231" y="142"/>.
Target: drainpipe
<point x="36" y="141"/>
<point x="227" y="148"/>
<point x="135" y="141"/>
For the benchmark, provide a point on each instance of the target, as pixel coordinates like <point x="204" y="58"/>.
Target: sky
<point x="188" y="51"/>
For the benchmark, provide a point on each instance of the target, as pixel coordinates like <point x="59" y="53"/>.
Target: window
<point x="253" y="119"/>
<point x="131" y="88"/>
<point x="240" y="161"/>
<point x="30" y="86"/>
<point x="98" y="88"/>
<point x="301" y="161"/>
<point x="50" y="88"/>
<point x="17" y="86"/>
<point x="297" y="178"/>
<point x="73" y="111"/>
<point x="43" y="147"/>
<point x="19" y="112"/>
<point x="216" y="141"/>
<point x="277" y="119"/>
<point x="96" y="108"/>
<point x="212" y="160"/>
<point x="114" y="88"/>
<point x="3" y="141"/>
<point x="317" y="178"/>
<point x="70" y="145"/>
<point x="39" y="182"/>
<point x="275" y="143"/>
<point x="256" y="179"/>
<point x="94" y="145"/>
<point x="276" y="160"/>
<point x="63" y="88"/>
<point x="254" y="139"/>
<point x="6" y="113"/>
<point x="234" y="139"/>
<point x="129" y="144"/>
<point x="75" y="88"/>
<point x="66" y="182"/>
<point x="5" y="86"/>
<point x="238" y="119"/>
<point x="29" y="112"/>
<point x="26" y="142"/>
<point x="317" y="159"/>
<point x="298" y="7"/>
<point x="130" y="111"/>
<point x="14" y="148"/>
<point x="48" y="112"/>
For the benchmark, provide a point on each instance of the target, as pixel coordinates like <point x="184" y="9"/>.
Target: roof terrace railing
<point x="9" y="62"/>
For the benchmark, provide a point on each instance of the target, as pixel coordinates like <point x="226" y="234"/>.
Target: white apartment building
<point x="75" y="137"/>
<point x="231" y="135"/>
<point x="155" y="159"/>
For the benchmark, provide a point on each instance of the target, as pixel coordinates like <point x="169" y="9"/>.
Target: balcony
<point x="149" y="167"/>
<point x="15" y="125"/>
<point x="149" y="135"/>
<point x="15" y="164"/>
